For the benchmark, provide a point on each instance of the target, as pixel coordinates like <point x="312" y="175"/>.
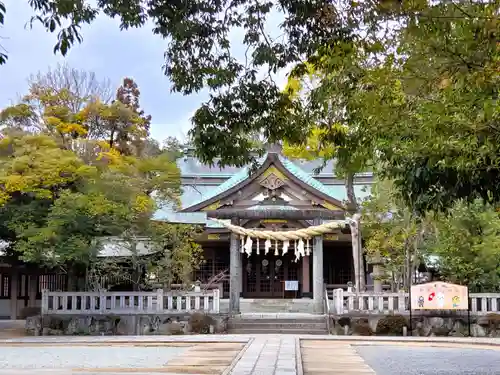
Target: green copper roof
<point x="238" y="177"/>
<point x="243" y="174"/>
<point x="307" y="178"/>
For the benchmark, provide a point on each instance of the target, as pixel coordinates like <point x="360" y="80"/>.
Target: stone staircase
<point x="281" y="323"/>
<point x="271" y="305"/>
<point x="292" y="316"/>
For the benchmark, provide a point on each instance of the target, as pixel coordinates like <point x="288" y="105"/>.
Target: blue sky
<point x="108" y="52"/>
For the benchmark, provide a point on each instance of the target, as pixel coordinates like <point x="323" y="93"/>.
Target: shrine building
<point x="281" y="195"/>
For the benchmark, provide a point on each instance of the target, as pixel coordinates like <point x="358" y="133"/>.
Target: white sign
<point x="291" y="285"/>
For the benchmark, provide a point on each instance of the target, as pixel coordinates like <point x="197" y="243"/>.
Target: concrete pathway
<point x="273" y="355"/>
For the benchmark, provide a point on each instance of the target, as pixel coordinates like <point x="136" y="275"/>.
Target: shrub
<point x="200" y="323"/>
<point x="391" y="325"/>
<point x="361" y="328"/>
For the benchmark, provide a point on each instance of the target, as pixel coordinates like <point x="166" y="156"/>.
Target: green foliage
<point x="465" y="246"/>
<point x="391" y="325"/>
<point x="389" y="229"/>
<point x="412" y="84"/>
<point x="74" y="175"/>
<point x="434" y="106"/>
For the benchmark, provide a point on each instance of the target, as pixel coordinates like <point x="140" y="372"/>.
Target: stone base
<point x="101" y="325"/>
<point x="426" y="325"/>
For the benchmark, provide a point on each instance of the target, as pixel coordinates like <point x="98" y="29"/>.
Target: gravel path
<point x="67" y="357"/>
<point x="413" y="360"/>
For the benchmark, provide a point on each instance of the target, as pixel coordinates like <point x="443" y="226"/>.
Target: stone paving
<point x="222" y="355"/>
<point x="274" y="355"/>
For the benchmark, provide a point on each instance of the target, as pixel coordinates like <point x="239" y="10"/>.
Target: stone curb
<point x="239" y="339"/>
<point x="298" y="358"/>
<point x="236" y="359"/>
<point x="408" y="339"/>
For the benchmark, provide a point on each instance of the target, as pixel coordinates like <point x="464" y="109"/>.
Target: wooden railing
<point x="158" y="302"/>
<point x="389" y="303"/>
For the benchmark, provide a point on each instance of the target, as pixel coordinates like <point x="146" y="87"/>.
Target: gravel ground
<point x="392" y="360"/>
<point x="67" y="357"/>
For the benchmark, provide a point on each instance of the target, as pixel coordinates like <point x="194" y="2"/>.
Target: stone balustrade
<point x="388" y="303"/>
<point x="129" y="303"/>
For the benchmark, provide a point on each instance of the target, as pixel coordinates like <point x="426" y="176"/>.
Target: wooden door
<point x="264" y="275"/>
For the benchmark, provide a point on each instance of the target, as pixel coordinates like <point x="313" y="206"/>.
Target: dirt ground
<point x="10" y="329"/>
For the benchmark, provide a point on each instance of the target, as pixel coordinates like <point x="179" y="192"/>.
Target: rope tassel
<point x="286" y="244"/>
<point x="267" y="246"/>
<point x="248" y="246"/>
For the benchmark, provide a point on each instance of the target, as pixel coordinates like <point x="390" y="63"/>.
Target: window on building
<point x="51" y="282"/>
<point x="4" y="286"/>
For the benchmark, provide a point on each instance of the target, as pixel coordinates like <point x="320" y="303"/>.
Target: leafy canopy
<point x="465" y="245"/>
<point x="71" y="178"/>
<point x="416" y="82"/>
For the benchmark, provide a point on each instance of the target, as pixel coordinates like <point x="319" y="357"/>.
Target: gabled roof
<point x="236" y="179"/>
<point x="243" y="177"/>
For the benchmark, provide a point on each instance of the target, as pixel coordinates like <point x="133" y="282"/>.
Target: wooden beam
<point x="276" y="214"/>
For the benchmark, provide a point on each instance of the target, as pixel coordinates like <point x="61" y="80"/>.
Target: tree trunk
<point x="355" y="226"/>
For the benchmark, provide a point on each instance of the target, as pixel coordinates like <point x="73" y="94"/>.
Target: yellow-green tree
<point x="72" y="178"/>
<point x="335" y="125"/>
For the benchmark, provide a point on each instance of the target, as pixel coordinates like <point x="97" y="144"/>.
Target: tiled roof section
<point x="307" y="178"/>
<point x="240" y="176"/>
<point x="190" y="166"/>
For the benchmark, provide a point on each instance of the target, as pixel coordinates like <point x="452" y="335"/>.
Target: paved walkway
<point x="273" y="355"/>
<point x="242" y="355"/>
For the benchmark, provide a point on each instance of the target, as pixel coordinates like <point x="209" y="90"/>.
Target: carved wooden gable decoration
<point x="277" y="184"/>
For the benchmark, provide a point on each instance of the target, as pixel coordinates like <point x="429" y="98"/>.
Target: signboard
<point x="439" y="296"/>
<point x="292" y="285"/>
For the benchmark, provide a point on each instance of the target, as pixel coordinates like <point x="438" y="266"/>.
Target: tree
<point x="393" y="234"/>
<point x="434" y="109"/>
<point x="428" y="58"/>
<point x="70" y="179"/>
<point x="464" y="246"/>
<point x="330" y="88"/>
<point x="82" y="85"/>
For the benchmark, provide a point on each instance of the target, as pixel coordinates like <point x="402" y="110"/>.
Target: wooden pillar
<point x="14" y="280"/>
<point x="235" y="272"/>
<point x="306" y="279"/>
<point x="318" y="282"/>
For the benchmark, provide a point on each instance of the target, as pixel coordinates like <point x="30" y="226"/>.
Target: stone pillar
<point x="32" y="290"/>
<point x="306" y="279"/>
<point x="378" y="272"/>
<point x="14" y="276"/>
<point x="234" y="272"/>
<point x="318" y="282"/>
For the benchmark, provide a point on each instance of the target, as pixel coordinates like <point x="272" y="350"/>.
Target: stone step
<point x="320" y="319"/>
<point x="278" y="325"/>
<point x="289" y="331"/>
